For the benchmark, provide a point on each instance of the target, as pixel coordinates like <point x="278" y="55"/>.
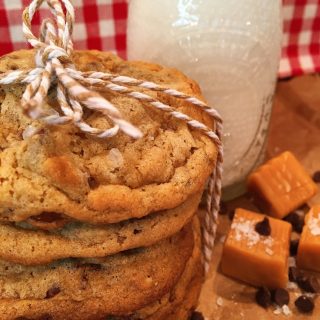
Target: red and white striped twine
<point x="54" y="48"/>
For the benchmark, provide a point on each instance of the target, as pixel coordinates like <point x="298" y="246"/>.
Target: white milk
<point x="232" y="48"/>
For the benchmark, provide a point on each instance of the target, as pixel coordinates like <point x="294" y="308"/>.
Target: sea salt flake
<point x="219" y="301"/>
<point x="300" y="213"/>
<point x="269" y="251"/>
<point x="115" y="156"/>
<point x="282" y="310"/>
<point x="292" y="262"/>
<point x="314" y="226"/>
<point x="268" y="241"/>
<point x="285" y="310"/>
<point x="277" y="310"/>
<point x="244" y="229"/>
<point x="292" y="285"/>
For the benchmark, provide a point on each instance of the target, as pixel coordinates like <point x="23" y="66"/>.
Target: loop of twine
<point x="53" y="64"/>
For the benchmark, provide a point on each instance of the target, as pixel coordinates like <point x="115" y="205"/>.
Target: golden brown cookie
<point x="63" y="171"/>
<point x="183" y="299"/>
<point x="94" y="288"/>
<point x="80" y="240"/>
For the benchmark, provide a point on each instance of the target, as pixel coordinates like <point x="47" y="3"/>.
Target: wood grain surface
<point x="295" y="126"/>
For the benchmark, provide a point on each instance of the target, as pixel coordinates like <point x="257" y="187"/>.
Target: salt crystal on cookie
<point x="254" y="258"/>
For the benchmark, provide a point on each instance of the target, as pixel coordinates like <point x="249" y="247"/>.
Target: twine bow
<point x="54" y="67"/>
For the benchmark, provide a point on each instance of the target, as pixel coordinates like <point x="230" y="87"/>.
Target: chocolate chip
<point x="136" y="231"/>
<point x="223" y="208"/>
<point x="316" y="176"/>
<point x="308" y="284"/>
<point x="294" y="274"/>
<point x="299" y="226"/>
<point x="52" y="292"/>
<point x="263" y="297"/>
<point x="296" y="221"/>
<point x="280" y="297"/>
<point x="93" y="183"/>
<point x="196" y="316"/>
<point x="304" y="304"/>
<point x="294" y="247"/>
<point x="263" y="227"/>
<point x="47" y="217"/>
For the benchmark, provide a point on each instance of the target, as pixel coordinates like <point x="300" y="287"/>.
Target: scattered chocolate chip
<point x="296" y="221"/>
<point x="136" y="231"/>
<point x="280" y="297"/>
<point x="93" y="183"/>
<point x="223" y="208"/>
<point x="52" y="292"/>
<point x="294" y="247"/>
<point x="47" y="217"/>
<point x="196" y="316"/>
<point x="231" y="214"/>
<point x="263" y="297"/>
<point x="303" y="283"/>
<point x="294" y="274"/>
<point x="308" y="284"/>
<point x="304" y="304"/>
<point x="263" y="227"/>
<point x="21" y="318"/>
<point x="316" y="176"/>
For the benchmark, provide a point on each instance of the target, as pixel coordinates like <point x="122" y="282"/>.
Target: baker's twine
<point x="54" y="68"/>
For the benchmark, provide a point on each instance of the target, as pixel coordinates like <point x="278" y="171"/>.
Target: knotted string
<point x="54" y="67"/>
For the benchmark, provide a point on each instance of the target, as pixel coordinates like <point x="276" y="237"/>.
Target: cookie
<point x="78" y="240"/>
<point x="183" y="298"/>
<point x="63" y="171"/>
<point x="94" y="288"/>
<point x="184" y="309"/>
<point x="169" y="303"/>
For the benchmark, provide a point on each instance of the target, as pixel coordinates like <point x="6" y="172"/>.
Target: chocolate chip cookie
<point x="63" y="171"/>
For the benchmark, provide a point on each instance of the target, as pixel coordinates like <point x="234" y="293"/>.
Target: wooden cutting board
<point x="295" y="126"/>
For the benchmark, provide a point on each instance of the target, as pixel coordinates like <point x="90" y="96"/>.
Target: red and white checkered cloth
<point x="101" y="25"/>
<point x="301" y="40"/>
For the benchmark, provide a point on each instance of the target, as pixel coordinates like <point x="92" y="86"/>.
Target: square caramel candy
<point x="281" y="185"/>
<point x="308" y="256"/>
<point x="253" y="258"/>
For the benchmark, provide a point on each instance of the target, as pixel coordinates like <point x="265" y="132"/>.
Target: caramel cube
<point x="253" y="258"/>
<point x="308" y="256"/>
<point x="281" y="185"/>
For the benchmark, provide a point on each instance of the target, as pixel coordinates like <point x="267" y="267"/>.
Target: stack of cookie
<point x="101" y="228"/>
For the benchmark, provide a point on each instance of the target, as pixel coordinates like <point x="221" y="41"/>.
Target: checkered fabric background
<point x="101" y="24"/>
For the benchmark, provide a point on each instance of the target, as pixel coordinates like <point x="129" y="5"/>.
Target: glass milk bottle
<point x="232" y="48"/>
